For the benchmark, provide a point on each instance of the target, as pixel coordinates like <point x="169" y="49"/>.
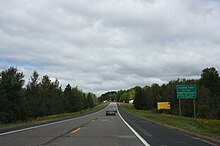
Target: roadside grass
<point x="53" y="117"/>
<point x="209" y="129"/>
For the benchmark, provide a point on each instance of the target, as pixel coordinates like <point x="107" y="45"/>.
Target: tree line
<point x="146" y="98"/>
<point x="40" y="97"/>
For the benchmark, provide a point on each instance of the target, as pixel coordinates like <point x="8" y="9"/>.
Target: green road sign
<point x="186" y="91"/>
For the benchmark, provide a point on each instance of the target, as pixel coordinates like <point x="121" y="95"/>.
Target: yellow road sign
<point x="163" y="105"/>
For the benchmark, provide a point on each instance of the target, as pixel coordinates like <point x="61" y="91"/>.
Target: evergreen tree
<point x="68" y="98"/>
<point x="12" y="103"/>
<point x="33" y="95"/>
<point x="46" y="96"/>
<point x="210" y="79"/>
<point x="139" y="100"/>
<point x="57" y="101"/>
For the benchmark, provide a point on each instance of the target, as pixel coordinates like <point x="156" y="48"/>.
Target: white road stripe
<point x="138" y="136"/>
<point x="34" y="127"/>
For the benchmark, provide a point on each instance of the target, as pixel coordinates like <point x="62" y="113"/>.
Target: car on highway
<point x="111" y="112"/>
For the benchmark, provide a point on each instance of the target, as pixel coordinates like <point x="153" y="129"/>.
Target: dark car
<point x="111" y="112"/>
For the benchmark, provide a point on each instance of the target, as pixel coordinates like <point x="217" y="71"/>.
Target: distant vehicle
<point x="131" y="101"/>
<point x="111" y="112"/>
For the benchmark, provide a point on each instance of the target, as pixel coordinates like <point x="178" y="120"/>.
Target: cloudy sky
<point x="104" y="45"/>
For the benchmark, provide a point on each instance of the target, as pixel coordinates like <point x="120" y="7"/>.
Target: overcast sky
<point x="104" y="45"/>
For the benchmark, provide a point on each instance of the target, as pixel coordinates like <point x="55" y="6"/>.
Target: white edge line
<point x="34" y="127"/>
<point x="138" y="136"/>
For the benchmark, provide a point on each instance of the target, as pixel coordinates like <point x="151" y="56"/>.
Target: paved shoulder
<point x="157" y="135"/>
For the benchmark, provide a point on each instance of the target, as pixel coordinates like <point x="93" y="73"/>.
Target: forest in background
<point x="146" y="98"/>
<point x="40" y="97"/>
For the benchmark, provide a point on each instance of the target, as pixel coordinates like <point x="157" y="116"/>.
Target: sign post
<point x="194" y="105"/>
<point x="180" y="107"/>
<point x="186" y="92"/>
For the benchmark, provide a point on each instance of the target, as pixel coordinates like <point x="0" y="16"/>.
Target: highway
<point x="158" y="135"/>
<point x="97" y="129"/>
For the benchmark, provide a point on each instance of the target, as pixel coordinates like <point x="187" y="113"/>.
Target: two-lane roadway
<point x="97" y="129"/>
<point x="94" y="129"/>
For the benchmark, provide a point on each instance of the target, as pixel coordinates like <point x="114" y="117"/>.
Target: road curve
<point x="97" y="129"/>
<point x="94" y="129"/>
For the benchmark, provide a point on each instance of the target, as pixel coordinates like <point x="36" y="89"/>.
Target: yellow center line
<point x="74" y="131"/>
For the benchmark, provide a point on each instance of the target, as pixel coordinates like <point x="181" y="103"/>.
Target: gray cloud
<point x="110" y="44"/>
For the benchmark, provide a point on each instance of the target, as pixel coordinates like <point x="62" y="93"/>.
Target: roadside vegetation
<point x="39" y="98"/>
<point x="54" y="117"/>
<point x="204" y="127"/>
<point x="146" y="98"/>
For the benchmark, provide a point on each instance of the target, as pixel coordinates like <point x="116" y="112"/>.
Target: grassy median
<point x="53" y="117"/>
<point x="209" y="129"/>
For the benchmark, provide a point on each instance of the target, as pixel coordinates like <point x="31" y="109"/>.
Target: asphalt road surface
<point x="157" y="135"/>
<point x="97" y="129"/>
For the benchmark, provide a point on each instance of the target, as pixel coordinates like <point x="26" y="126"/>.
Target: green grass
<point x="209" y="129"/>
<point x="53" y="117"/>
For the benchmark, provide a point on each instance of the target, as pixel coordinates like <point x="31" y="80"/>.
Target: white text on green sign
<point x="186" y="91"/>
